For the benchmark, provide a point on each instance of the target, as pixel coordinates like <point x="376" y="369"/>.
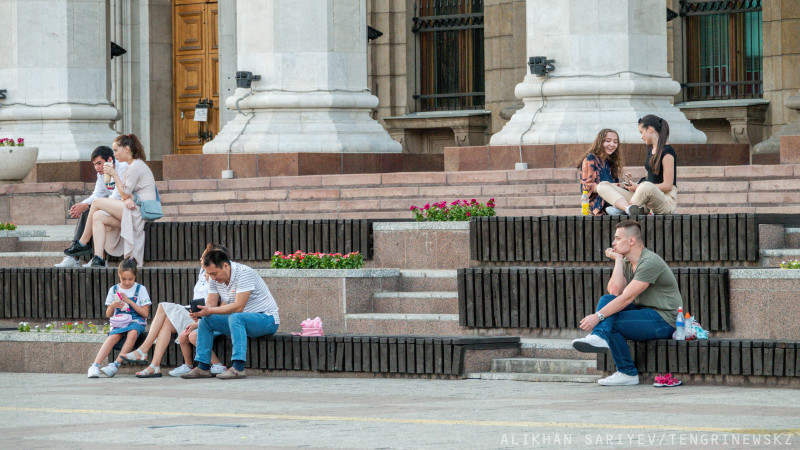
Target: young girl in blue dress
<point x="603" y="163"/>
<point x="126" y="299"/>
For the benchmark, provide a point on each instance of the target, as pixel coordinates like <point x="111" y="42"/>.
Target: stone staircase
<point x="707" y="190"/>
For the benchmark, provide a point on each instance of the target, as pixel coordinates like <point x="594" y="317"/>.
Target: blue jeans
<point x="635" y="323"/>
<point x="238" y="327"/>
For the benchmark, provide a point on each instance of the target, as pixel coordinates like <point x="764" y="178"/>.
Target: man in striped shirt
<point x="239" y="305"/>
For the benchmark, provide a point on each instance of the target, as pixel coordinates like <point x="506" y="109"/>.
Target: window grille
<point x="723" y="50"/>
<point x="449" y="39"/>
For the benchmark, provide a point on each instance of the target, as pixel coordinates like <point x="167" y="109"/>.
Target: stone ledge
<point x="328" y="273"/>
<point x="415" y="226"/>
<point x="52" y="336"/>
<point x="765" y="274"/>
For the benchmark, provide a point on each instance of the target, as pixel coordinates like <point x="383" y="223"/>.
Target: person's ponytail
<point x="662" y="128"/>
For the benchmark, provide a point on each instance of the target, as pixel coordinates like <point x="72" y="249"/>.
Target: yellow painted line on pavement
<point x="481" y="423"/>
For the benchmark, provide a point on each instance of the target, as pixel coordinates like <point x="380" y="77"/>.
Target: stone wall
<point x="781" y="20"/>
<point x="390" y="67"/>
<point x="504" y="58"/>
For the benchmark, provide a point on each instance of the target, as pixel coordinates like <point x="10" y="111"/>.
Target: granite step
<point x="534" y="377"/>
<point x="551" y="349"/>
<point x="405" y="324"/>
<point x="428" y="280"/>
<point x="545" y="366"/>
<point x="30" y="259"/>
<point x="415" y="302"/>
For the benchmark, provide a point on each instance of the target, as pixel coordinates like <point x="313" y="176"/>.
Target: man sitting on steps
<point x="642" y="304"/>
<point x="239" y="305"/>
<point x="100" y="156"/>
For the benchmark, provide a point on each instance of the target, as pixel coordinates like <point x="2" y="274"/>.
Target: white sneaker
<point x="178" y="371"/>
<point x="68" y="262"/>
<point x="619" y="379"/>
<point x="110" y="370"/>
<point x="88" y="264"/>
<point x="217" y="369"/>
<point x="94" y="370"/>
<point x="591" y="344"/>
<point x="614" y="211"/>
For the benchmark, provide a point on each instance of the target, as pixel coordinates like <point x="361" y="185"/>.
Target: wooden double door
<point x="195" y="44"/>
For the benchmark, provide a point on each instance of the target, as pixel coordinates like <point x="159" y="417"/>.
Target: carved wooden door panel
<point x="195" y="72"/>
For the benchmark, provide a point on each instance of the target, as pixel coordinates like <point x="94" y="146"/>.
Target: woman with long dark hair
<point x="603" y="163"/>
<point x="658" y="192"/>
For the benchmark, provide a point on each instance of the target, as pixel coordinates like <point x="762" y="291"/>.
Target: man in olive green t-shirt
<point x="642" y="304"/>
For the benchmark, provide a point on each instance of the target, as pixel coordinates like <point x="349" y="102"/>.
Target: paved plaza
<point x="71" y="411"/>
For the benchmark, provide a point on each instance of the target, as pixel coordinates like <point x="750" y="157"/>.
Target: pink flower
<point x="454" y="203"/>
<point x="20" y="141"/>
<point x="412" y="208"/>
<point x="277" y="253"/>
<point x="426" y="207"/>
<point x="468" y="214"/>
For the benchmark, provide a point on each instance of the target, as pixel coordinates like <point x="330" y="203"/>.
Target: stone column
<point x="312" y="96"/>
<point x="610" y="70"/>
<point x="54" y="64"/>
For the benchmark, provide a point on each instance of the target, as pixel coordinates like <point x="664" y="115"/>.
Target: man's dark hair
<point x="216" y="257"/>
<point x="103" y="152"/>
<point x="632" y="229"/>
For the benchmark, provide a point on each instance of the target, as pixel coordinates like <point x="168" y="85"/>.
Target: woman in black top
<point x="658" y="192"/>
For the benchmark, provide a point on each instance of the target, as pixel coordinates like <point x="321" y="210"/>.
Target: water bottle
<point x="680" y="330"/>
<point x="585" y="203"/>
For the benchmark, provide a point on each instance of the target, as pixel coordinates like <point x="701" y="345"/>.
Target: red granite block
<point x="790" y="150"/>
<point x="182" y="167"/>
<point x="319" y="163"/>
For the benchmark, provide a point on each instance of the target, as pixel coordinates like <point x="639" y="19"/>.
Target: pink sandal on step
<point x="666" y="381"/>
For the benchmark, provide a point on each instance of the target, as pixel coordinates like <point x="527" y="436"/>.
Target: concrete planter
<point x="17" y="162"/>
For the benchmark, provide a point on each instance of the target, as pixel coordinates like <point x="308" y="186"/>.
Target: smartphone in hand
<point x="193" y="305"/>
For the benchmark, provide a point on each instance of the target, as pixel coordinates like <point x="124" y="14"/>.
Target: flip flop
<point x="666" y="381"/>
<point x="147" y="374"/>
<point x="141" y="360"/>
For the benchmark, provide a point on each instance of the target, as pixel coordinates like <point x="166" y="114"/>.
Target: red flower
<point x="468" y="214"/>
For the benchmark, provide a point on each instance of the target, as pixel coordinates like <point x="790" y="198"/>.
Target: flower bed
<point x="300" y="260"/>
<point x="8" y="226"/>
<point x="8" y="142"/>
<point x="790" y="264"/>
<point x="458" y="210"/>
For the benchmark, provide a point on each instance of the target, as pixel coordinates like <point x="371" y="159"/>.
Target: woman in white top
<point x="170" y="318"/>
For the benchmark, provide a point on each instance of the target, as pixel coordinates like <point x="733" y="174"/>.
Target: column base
<point x="63" y="132"/>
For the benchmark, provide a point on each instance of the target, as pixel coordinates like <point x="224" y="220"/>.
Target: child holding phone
<point x="128" y="306"/>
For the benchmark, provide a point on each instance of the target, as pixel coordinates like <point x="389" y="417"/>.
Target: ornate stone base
<point x="573" y="110"/>
<point x="62" y="132"/>
<point x="316" y="122"/>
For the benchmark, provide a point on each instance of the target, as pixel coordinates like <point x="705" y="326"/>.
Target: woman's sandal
<point x="132" y="359"/>
<point x="147" y="373"/>
<point x="666" y="381"/>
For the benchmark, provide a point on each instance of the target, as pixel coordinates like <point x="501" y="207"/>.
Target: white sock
<point x="628" y="210"/>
